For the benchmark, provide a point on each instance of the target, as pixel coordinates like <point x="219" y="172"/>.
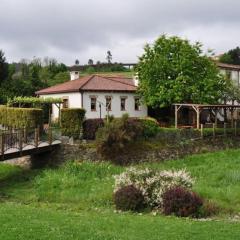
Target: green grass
<point x="75" y="202"/>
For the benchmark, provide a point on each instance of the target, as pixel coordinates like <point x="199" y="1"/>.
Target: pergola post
<point x="198" y="118"/>
<point x="232" y="118"/>
<point x="176" y="116"/>
<point x="216" y="112"/>
<point x="197" y="110"/>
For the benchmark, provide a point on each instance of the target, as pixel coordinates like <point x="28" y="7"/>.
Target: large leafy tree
<point x="231" y="57"/>
<point x="172" y="71"/>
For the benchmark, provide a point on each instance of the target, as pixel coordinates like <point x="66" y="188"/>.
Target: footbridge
<point x="16" y="143"/>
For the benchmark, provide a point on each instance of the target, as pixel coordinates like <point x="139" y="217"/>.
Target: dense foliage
<point x="231" y="57"/>
<point x="173" y="70"/>
<point x="181" y="202"/>
<point x="21" y="117"/>
<point x="26" y="77"/>
<point x="71" y="121"/>
<point x="115" y="135"/>
<point x="128" y="198"/>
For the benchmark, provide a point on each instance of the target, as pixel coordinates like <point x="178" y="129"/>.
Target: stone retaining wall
<point x="86" y="151"/>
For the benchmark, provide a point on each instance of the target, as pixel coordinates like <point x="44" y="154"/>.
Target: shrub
<point x="71" y="121"/>
<point x="128" y="198"/>
<point x="153" y="183"/>
<point x="90" y="127"/>
<point x="115" y="135"/>
<point x="208" y="209"/>
<point x="150" y="127"/>
<point x="176" y="135"/>
<point x="21" y="117"/>
<point x="181" y="202"/>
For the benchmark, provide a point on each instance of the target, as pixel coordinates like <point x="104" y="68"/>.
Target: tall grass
<point x="85" y="184"/>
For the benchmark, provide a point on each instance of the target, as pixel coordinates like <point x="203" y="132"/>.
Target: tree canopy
<point x="3" y="67"/>
<point x="231" y="57"/>
<point x="173" y="70"/>
<point x="26" y="77"/>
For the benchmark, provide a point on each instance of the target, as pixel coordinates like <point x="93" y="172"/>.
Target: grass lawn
<point x="75" y="202"/>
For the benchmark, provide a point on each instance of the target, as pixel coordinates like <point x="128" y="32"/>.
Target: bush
<point x="181" y="202"/>
<point x="153" y="183"/>
<point x="208" y="209"/>
<point x="21" y="117"/>
<point x="128" y="198"/>
<point x="176" y="135"/>
<point x="90" y="127"/>
<point x="71" y="121"/>
<point x="116" y="135"/>
<point x="150" y="127"/>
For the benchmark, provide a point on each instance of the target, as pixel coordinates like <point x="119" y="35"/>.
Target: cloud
<point x="70" y="29"/>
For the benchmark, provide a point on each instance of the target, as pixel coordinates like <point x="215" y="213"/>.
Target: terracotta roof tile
<point x="93" y="83"/>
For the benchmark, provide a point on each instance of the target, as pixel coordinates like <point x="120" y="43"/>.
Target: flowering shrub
<point x="181" y="202"/>
<point x="153" y="183"/>
<point x="128" y="198"/>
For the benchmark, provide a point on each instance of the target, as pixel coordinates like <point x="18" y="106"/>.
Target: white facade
<point x="74" y="101"/>
<point x="83" y="100"/>
<point x="234" y="75"/>
<point x="115" y="105"/>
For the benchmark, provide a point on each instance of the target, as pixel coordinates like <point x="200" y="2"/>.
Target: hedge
<point x="71" y="121"/>
<point x="21" y="117"/>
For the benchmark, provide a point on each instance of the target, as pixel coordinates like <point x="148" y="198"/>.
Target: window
<point x="108" y="103"/>
<point x="65" y="103"/>
<point x="137" y="104"/>
<point x="123" y="103"/>
<point x="93" y="104"/>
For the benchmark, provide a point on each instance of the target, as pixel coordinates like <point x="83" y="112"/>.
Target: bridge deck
<point x="29" y="150"/>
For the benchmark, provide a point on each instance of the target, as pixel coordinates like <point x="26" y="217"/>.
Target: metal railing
<point x="24" y="139"/>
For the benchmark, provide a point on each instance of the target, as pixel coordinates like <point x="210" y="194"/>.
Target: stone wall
<point x="141" y="152"/>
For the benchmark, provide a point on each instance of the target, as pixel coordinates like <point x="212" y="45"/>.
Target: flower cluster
<point x="153" y="184"/>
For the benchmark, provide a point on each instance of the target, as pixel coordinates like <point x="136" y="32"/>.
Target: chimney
<point x="74" y="75"/>
<point x="136" y="81"/>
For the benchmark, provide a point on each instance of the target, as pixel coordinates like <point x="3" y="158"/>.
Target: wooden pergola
<point x="37" y="102"/>
<point x="198" y="108"/>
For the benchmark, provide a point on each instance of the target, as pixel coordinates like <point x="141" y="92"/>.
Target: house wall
<point x="234" y="75"/>
<point x="116" y="109"/>
<point x="75" y="101"/>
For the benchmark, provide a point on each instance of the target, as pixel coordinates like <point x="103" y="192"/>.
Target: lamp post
<point x="100" y="108"/>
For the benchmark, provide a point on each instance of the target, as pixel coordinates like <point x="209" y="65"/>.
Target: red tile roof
<point x="93" y="83"/>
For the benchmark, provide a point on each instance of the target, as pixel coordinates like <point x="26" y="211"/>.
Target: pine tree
<point x="3" y="67"/>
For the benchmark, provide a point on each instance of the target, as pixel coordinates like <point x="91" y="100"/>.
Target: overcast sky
<point x="83" y="29"/>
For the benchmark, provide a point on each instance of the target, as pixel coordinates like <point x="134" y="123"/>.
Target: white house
<point x="98" y="95"/>
<point x="232" y="71"/>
